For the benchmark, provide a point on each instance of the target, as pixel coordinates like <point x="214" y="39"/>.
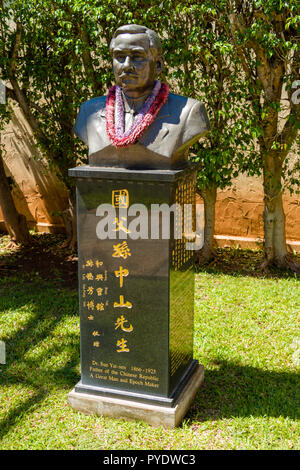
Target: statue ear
<point x="159" y="64"/>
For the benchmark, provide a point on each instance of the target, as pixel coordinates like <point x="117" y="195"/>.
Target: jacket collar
<point x="164" y="112"/>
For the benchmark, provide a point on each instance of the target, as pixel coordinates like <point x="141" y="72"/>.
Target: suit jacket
<point x="178" y="125"/>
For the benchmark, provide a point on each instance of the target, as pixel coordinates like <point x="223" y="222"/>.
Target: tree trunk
<point x="69" y="216"/>
<point x="274" y="218"/>
<point x="209" y="196"/>
<point x="15" y="223"/>
<point x="274" y="229"/>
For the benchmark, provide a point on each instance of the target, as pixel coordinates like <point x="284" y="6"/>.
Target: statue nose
<point x="128" y="64"/>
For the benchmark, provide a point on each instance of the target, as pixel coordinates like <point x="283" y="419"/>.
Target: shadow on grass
<point x="37" y="345"/>
<point x="234" y="390"/>
<point x="22" y="408"/>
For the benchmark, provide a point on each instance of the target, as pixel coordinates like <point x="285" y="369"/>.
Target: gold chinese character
<point x="99" y="291"/>
<point x="122" y="344"/>
<point x="121" y="250"/>
<point x="99" y="277"/>
<point x="89" y="263"/>
<point x="121" y="322"/>
<point x="99" y="263"/>
<point x="96" y="344"/>
<point x="120" y="226"/>
<point x="89" y="276"/>
<point x="121" y="273"/>
<point x="100" y="306"/>
<point x="90" y="305"/>
<point x="90" y="290"/>
<point x="126" y="304"/>
<point x="91" y="317"/>
<point x="95" y="333"/>
<point x="120" y="198"/>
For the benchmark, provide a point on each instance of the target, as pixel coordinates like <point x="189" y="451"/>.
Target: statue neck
<point x="133" y="105"/>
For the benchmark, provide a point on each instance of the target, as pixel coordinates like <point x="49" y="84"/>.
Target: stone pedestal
<point x="136" y="290"/>
<point x="156" y="415"/>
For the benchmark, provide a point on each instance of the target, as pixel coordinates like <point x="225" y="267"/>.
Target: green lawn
<point x="246" y="335"/>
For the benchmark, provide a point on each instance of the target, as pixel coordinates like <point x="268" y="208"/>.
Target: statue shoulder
<point x="183" y="101"/>
<point x="94" y="104"/>
<point x="86" y="111"/>
<point x="193" y="117"/>
<point x="187" y="107"/>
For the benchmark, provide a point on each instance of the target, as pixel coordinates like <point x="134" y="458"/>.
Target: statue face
<point x="134" y="66"/>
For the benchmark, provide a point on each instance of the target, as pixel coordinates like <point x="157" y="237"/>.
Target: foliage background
<point x="54" y="56"/>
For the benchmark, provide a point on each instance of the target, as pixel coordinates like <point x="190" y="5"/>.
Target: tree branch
<point x="18" y="94"/>
<point x="10" y="93"/>
<point x="289" y="132"/>
<point x="87" y="58"/>
<point x="237" y="25"/>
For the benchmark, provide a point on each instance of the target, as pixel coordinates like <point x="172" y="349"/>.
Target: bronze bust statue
<point x="177" y="122"/>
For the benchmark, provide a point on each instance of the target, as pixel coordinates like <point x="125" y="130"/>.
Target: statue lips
<point x="128" y="77"/>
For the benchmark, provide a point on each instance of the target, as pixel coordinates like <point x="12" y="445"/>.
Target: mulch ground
<point x="48" y="258"/>
<point x="237" y="261"/>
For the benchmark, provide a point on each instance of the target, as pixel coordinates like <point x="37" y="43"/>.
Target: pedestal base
<point x="152" y="414"/>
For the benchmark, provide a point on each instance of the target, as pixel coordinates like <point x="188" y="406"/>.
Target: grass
<point x="246" y="336"/>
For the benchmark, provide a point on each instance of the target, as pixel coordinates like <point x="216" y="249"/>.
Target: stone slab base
<point x="126" y="409"/>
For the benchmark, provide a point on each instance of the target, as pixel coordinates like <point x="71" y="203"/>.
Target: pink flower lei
<point x="149" y="111"/>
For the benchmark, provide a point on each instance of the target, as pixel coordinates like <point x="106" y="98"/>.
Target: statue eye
<point x="138" y="58"/>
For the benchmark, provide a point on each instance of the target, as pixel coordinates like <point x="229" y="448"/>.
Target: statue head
<point x="137" y="59"/>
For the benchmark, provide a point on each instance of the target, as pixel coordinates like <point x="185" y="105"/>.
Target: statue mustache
<point x="129" y="73"/>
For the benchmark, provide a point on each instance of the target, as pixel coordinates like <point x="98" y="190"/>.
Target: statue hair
<point x="154" y="40"/>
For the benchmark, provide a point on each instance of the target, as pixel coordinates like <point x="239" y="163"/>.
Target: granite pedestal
<point x="136" y="292"/>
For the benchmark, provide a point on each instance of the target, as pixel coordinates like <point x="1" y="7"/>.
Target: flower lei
<point x="149" y="111"/>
